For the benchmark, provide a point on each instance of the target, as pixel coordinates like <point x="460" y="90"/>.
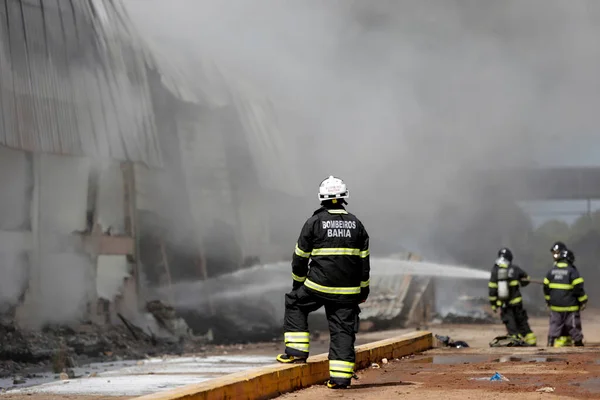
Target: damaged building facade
<point x="116" y="166"/>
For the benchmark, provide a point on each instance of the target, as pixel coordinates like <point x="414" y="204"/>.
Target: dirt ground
<point x="571" y="376"/>
<point x="421" y="377"/>
<point x="572" y="373"/>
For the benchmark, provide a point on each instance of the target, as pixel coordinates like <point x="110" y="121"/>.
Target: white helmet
<point x="333" y="188"/>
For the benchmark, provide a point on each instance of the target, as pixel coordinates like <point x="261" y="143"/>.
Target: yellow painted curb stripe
<point x="273" y="380"/>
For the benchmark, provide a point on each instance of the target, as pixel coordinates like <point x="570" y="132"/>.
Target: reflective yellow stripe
<point x="298" y="278"/>
<point x="337" y="211"/>
<point x="577" y="281"/>
<point x="547" y="297"/>
<point x="345" y="375"/>
<point x="513" y="283"/>
<point x="365" y="283"/>
<point x="299" y="252"/>
<point x="530" y="338"/>
<point x="516" y="300"/>
<point x="564" y="309"/>
<point x="560" y="286"/>
<point x="493" y="298"/>
<point x="331" y="290"/>
<point x="335" y="252"/>
<point x="299" y="337"/>
<point x="493" y="285"/>
<point x="305" y="347"/>
<point x="582" y="298"/>
<point x="499" y="303"/>
<point x="297" y="340"/>
<point x="546" y="281"/>
<point x="341" y="366"/>
<point x="364" y="254"/>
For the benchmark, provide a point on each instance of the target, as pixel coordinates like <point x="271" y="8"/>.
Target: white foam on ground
<point x="152" y="376"/>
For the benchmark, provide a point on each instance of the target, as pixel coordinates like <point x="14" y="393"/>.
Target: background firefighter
<point x="504" y="293"/>
<point x="566" y="297"/>
<point x="337" y="277"/>
<point x="564" y="340"/>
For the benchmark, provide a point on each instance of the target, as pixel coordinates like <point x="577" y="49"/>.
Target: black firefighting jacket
<point x="563" y="288"/>
<point x="337" y="245"/>
<point x="514" y="276"/>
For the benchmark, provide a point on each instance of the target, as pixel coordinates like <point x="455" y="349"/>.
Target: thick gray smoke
<point x="409" y="101"/>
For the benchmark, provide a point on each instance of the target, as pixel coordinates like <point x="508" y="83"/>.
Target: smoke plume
<point x="409" y="101"/>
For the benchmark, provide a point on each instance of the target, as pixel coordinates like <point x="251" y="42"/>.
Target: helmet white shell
<point x="333" y="188"/>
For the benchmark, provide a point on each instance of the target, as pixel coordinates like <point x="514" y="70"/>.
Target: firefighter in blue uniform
<point x="564" y="340"/>
<point x="566" y="298"/>
<point x="330" y="268"/>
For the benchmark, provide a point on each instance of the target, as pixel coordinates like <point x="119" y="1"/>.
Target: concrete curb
<point x="273" y="380"/>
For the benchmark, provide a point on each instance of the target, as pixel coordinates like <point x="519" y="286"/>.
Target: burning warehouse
<point x="117" y="169"/>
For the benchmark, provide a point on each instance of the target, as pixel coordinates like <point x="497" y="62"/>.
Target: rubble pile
<point x="26" y="349"/>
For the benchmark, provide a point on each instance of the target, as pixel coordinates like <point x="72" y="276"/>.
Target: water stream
<point x="255" y="281"/>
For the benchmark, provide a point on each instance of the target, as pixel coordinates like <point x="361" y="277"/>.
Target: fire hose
<point x="537" y="281"/>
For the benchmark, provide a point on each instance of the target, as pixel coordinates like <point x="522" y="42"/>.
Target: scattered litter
<point x="546" y="390"/>
<point x="499" y="377"/>
<point x="496" y="377"/>
<point x="375" y="366"/>
<point x="384" y="361"/>
<point x="445" y="340"/>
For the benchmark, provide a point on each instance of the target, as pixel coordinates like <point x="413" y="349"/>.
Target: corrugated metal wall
<point x="73" y="81"/>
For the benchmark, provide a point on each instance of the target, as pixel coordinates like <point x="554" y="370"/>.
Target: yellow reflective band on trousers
<point x="577" y="281"/>
<point x="582" y="298"/>
<point x="341" y="369"/>
<point x="560" y="286"/>
<point x="365" y="283"/>
<point x="298" y="278"/>
<point x="563" y="341"/>
<point x="331" y="290"/>
<point x="564" y="309"/>
<point x="297" y="340"/>
<point x="300" y="253"/>
<point x="530" y="338"/>
<point x="492" y="285"/>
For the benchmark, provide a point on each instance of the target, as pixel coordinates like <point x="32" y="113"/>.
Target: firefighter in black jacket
<point x="565" y="295"/>
<point x="505" y="281"/>
<point x="565" y="338"/>
<point x="337" y="277"/>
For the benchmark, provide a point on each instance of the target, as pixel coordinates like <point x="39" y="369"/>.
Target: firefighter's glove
<point x="582" y="306"/>
<point x="297" y="285"/>
<point x="364" y="294"/>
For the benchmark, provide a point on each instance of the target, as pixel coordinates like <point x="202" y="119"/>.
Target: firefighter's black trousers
<point x="516" y="320"/>
<point x="343" y="325"/>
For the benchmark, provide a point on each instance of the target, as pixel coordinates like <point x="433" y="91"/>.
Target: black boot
<point x="551" y="341"/>
<point x="579" y="343"/>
